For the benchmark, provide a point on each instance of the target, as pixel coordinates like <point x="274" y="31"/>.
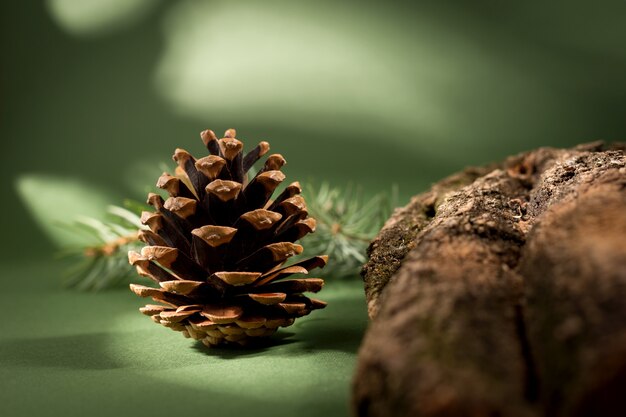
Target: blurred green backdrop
<point x="373" y="93"/>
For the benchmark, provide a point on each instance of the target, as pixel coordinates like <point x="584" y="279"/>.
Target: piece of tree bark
<point x="502" y="292"/>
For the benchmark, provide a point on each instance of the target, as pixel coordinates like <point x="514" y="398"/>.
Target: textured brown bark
<point x="502" y="292"/>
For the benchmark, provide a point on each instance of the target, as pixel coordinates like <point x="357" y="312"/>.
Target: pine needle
<point x="105" y="263"/>
<point x="346" y="223"/>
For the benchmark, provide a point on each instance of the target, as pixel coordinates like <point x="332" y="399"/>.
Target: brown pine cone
<point x="217" y="247"/>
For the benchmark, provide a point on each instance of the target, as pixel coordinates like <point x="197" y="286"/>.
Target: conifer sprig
<point x="104" y="263"/>
<point x="346" y="222"/>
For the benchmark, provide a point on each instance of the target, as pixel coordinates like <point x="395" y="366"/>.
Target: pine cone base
<point x="237" y="332"/>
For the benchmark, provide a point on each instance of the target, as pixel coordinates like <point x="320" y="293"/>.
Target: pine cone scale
<point x="254" y="155"/>
<point x="188" y="164"/>
<point x="296" y="285"/>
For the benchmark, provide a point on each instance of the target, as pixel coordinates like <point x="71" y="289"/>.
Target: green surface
<point x="64" y="353"/>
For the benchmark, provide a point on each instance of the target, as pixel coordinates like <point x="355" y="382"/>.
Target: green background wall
<point x="373" y="93"/>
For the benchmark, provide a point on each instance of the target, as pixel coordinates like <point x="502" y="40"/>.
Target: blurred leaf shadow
<point x="72" y="352"/>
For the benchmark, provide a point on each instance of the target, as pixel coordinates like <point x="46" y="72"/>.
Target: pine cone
<point x="218" y="245"/>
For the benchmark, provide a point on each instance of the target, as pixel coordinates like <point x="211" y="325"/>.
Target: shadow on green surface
<point x="312" y="335"/>
<point x="326" y="334"/>
<point x="71" y="352"/>
<point x="340" y="328"/>
<point x="258" y="347"/>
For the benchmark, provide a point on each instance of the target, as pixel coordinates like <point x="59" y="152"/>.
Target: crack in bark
<point x="531" y="378"/>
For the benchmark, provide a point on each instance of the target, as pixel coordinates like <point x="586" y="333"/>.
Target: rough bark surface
<point x="501" y="292"/>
